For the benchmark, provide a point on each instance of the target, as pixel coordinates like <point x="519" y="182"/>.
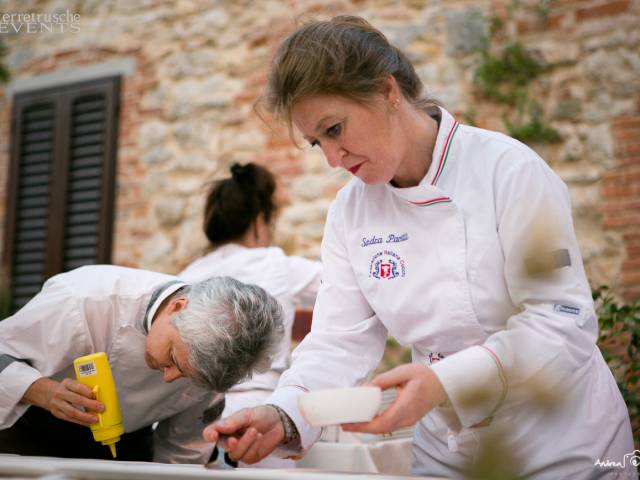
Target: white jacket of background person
<point x="445" y="267"/>
<point x="104" y="309"/>
<point x="291" y="280"/>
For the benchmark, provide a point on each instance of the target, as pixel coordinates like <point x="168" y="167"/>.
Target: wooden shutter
<point x="28" y="206"/>
<point x="61" y="185"/>
<point x="89" y="202"/>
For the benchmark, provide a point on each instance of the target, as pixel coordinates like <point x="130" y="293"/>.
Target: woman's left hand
<point x="419" y="391"/>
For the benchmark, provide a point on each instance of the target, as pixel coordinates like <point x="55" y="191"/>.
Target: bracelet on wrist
<point x="291" y="433"/>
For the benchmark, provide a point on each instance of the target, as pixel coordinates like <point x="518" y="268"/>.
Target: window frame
<point x="63" y="96"/>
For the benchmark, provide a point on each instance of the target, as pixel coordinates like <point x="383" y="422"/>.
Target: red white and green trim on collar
<point x="433" y="201"/>
<point x="445" y="152"/>
<point x="441" y="165"/>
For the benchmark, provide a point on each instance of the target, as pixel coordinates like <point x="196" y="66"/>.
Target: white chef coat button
<point x="452" y="443"/>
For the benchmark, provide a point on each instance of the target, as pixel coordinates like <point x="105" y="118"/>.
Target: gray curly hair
<point x="232" y="329"/>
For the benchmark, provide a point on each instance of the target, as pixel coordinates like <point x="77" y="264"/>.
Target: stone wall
<point x="188" y="108"/>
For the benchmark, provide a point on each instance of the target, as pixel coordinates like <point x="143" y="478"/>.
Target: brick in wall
<point x="602" y="9"/>
<point x="621" y="198"/>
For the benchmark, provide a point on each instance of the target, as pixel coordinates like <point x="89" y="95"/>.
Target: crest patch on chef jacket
<point x="386" y="265"/>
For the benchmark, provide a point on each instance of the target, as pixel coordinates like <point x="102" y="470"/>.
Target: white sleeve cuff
<point x="15" y="379"/>
<point x="287" y="399"/>
<point x="475" y="383"/>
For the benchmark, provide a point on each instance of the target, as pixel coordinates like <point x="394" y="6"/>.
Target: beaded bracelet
<point x="291" y="433"/>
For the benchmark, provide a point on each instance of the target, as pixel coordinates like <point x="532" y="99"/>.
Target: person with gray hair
<point x="169" y="345"/>
<point x="239" y="222"/>
<point x="241" y="340"/>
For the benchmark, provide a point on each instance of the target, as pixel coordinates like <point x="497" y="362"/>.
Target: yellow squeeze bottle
<point x="94" y="371"/>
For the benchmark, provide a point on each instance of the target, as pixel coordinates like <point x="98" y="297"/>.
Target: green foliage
<point x="542" y="9"/>
<point x="619" y="342"/>
<point x="469" y="117"/>
<point x="504" y="78"/>
<point x="505" y="74"/>
<point x="533" y="130"/>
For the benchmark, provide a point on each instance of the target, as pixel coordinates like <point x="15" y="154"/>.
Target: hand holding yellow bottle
<point x="94" y="371"/>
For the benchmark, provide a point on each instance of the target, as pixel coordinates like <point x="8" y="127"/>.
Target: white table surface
<point x="49" y="468"/>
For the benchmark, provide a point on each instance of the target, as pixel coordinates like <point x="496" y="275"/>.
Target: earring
<point x="396" y="104"/>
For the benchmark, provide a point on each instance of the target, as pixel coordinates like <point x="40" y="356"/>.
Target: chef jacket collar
<point x="427" y="191"/>
<point x="229" y="249"/>
<point x="157" y="297"/>
<point x="219" y="253"/>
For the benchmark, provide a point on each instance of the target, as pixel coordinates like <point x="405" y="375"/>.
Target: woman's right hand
<point x="248" y="435"/>
<point x="64" y="399"/>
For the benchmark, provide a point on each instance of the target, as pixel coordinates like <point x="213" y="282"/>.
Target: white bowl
<point x="340" y="405"/>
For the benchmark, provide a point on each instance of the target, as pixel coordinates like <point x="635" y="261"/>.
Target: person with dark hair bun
<point x="239" y="216"/>
<point x="460" y="243"/>
<point x="241" y="208"/>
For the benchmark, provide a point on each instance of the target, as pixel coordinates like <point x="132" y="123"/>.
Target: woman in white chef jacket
<point x="238" y="222"/>
<point x="459" y="242"/>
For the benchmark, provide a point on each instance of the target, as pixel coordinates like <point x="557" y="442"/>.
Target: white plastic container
<point x="340" y="405"/>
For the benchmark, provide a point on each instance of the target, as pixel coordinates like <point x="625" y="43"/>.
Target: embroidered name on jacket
<point x="391" y="238"/>
<point x="386" y="265"/>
